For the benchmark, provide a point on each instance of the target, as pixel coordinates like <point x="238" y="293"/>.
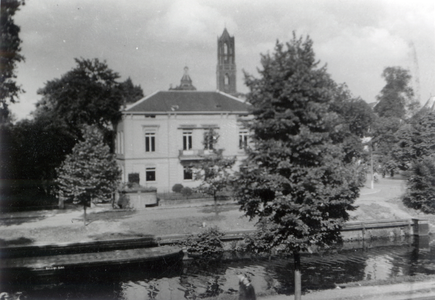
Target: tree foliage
<point x="9" y="56"/>
<point x="214" y="170"/>
<point x="384" y="133"/>
<point x="353" y="122"/>
<point x="416" y="150"/>
<point x="396" y="98"/>
<point x="421" y="186"/>
<point x="355" y="113"/>
<point x="90" y="172"/>
<point x="415" y="141"/>
<point x="88" y="94"/>
<point x="295" y="179"/>
<point x="215" y="174"/>
<point x="31" y="151"/>
<point x="207" y="244"/>
<point x="131" y="92"/>
<point x="40" y="146"/>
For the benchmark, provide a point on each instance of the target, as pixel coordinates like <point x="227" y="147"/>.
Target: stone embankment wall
<point x="385" y="228"/>
<point x="352" y="231"/>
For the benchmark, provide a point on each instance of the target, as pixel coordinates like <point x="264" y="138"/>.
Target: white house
<point x="161" y="135"/>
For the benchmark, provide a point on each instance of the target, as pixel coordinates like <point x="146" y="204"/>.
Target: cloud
<point x="188" y="22"/>
<point x="152" y="41"/>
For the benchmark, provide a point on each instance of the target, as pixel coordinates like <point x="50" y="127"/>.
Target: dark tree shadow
<point x="20" y="220"/>
<point x="110" y="215"/>
<point x="120" y="235"/>
<point x="216" y="209"/>
<point x="16" y="242"/>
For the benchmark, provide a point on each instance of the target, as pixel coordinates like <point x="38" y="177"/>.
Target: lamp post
<point x="372" y="181"/>
<point x="367" y="141"/>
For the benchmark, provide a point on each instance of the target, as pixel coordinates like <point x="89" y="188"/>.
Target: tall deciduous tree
<point x="355" y="113"/>
<point x="414" y="140"/>
<point x="90" y="172"/>
<point x="384" y="131"/>
<point x="416" y="150"/>
<point x="354" y="120"/>
<point x="421" y="185"/>
<point x="131" y="92"/>
<point x="9" y="56"/>
<point x="295" y="179"/>
<point x="214" y="170"/>
<point x="37" y="147"/>
<point x="88" y="94"/>
<point x="397" y="96"/>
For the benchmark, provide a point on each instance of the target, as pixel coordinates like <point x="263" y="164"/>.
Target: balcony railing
<point x="196" y="154"/>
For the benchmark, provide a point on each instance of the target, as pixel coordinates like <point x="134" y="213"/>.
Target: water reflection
<point x="375" y="260"/>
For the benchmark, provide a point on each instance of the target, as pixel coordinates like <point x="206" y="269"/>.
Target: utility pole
<point x="372" y="181"/>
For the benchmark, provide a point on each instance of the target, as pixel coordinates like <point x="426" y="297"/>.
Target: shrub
<point x="123" y="201"/>
<point x="206" y="244"/>
<point x="186" y="192"/>
<point x="420" y="194"/>
<point x="177" y="188"/>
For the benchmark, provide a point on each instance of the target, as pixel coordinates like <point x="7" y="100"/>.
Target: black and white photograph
<point x="217" y="150"/>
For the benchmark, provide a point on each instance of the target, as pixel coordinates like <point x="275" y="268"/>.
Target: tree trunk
<point x="61" y="203"/>
<point x="84" y="213"/>
<point x="297" y="260"/>
<point x="215" y="204"/>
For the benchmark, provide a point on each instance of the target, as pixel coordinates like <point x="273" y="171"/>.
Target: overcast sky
<point x="152" y="41"/>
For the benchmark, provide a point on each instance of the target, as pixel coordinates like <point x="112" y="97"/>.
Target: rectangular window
<point x="187" y="140"/>
<point x="187" y="173"/>
<point x="150" y="174"/>
<point x="150" y="142"/>
<point x="243" y="139"/>
<point x="208" y="142"/>
<point x="120" y="142"/>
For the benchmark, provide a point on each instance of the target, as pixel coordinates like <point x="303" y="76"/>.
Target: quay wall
<point x="233" y="240"/>
<point x="351" y="232"/>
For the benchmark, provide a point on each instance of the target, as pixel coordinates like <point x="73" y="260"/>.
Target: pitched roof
<point x="225" y="34"/>
<point x="189" y="101"/>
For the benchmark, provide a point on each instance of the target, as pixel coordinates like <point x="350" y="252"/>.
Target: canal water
<point x="374" y="260"/>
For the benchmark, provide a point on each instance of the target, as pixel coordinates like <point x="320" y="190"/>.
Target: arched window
<point x="225" y="52"/>
<point x="226" y="79"/>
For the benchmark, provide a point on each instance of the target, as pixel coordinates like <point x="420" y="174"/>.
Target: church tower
<point x="226" y="67"/>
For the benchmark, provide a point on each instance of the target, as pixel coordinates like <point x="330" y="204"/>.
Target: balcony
<point x="196" y="154"/>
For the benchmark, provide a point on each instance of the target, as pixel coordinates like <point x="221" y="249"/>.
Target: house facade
<point x="162" y="136"/>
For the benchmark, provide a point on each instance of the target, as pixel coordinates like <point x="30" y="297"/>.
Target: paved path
<point x="380" y="200"/>
<point x="402" y="291"/>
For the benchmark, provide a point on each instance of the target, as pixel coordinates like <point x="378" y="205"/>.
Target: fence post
<point x="420" y="227"/>
<point x="363" y="230"/>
